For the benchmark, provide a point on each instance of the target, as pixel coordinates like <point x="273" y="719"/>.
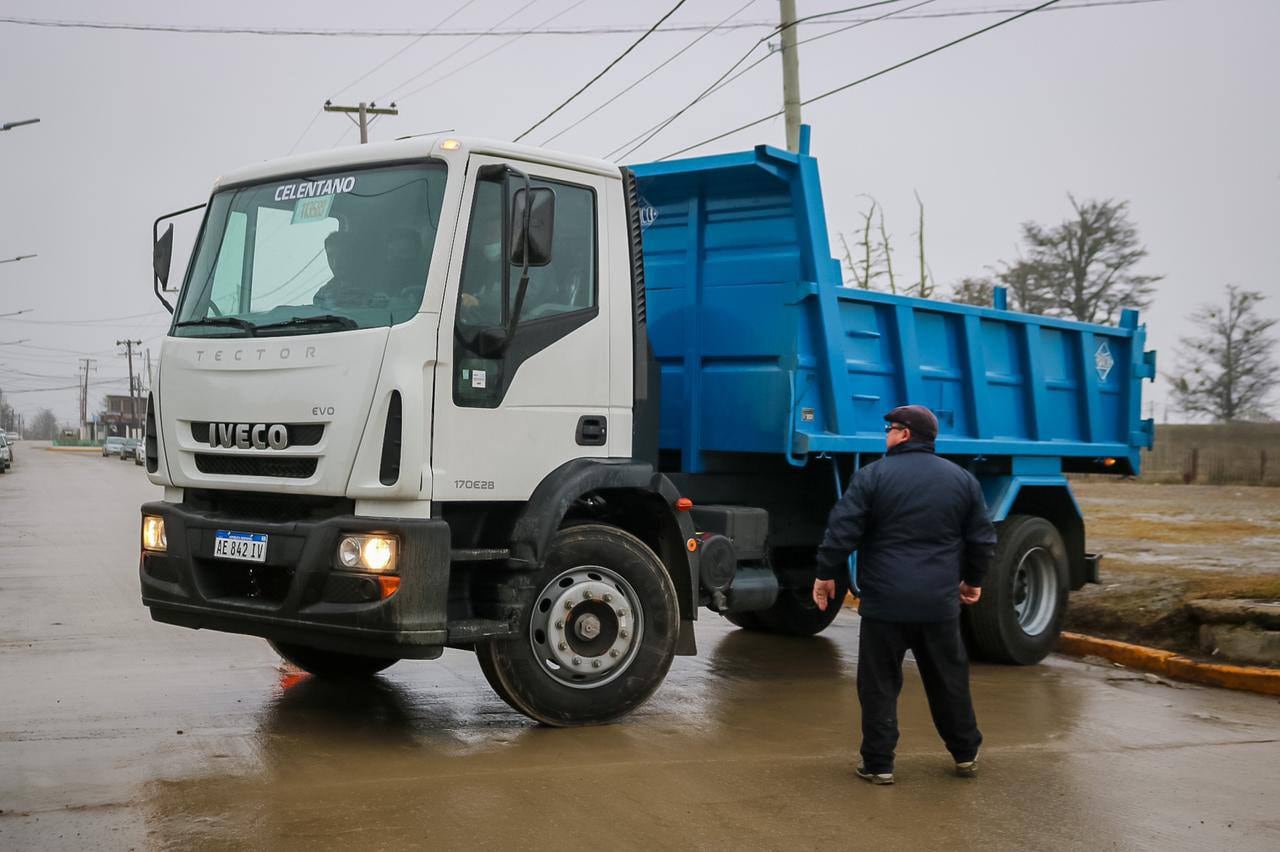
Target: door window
<point x="559" y="297"/>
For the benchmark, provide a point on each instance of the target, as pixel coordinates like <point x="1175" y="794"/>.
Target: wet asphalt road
<point x="120" y="733"/>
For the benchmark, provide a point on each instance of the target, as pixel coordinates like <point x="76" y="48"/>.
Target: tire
<point x="795" y="614"/>
<point x="591" y="574"/>
<point x="331" y="664"/>
<point x="745" y="620"/>
<point x="1024" y="598"/>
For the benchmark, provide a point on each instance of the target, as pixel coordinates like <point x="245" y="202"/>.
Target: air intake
<point x="389" y="472"/>
<point x="151" y="447"/>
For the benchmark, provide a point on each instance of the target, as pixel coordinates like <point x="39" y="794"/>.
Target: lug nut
<point x="577" y="661"/>
<point x="568" y="604"/>
<point x="622" y="613"/>
<point x="586" y="595"/>
<point x="622" y="633"/>
<point x="595" y="664"/>
<point x="559" y="624"/>
<point x="614" y="653"/>
<point x="563" y="646"/>
<point x="608" y="598"/>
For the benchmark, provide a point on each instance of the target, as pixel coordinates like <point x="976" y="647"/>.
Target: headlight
<point x="367" y="553"/>
<point x="153" y="537"/>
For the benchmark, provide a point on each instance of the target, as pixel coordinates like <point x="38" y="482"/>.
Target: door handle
<point x="592" y="430"/>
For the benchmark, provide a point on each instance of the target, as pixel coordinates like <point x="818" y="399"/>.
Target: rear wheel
<point x="331" y="664"/>
<point x="598" y="638"/>
<point x="1019" y="616"/>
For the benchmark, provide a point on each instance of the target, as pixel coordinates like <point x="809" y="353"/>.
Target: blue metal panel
<point x="762" y="350"/>
<point x="1001" y="492"/>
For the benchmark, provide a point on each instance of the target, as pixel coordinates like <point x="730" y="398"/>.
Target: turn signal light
<point x="387" y="586"/>
<point x="153" y="537"/>
<point x="684" y="504"/>
<point x="1108" y="462"/>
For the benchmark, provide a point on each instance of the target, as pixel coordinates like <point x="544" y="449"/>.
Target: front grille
<point x="299" y="467"/>
<point x="300" y="434"/>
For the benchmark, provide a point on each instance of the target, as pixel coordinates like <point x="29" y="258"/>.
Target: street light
<point x="18" y="258"/>
<point x="9" y="125"/>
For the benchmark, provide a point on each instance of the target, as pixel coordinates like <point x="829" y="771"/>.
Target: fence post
<point x="1262" y="467"/>
<point x="1189" y="476"/>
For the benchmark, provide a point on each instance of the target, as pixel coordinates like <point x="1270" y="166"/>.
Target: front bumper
<point x="298" y="595"/>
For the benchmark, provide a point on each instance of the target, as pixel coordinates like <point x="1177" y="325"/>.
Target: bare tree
<point x="974" y="291"/>
<point x="1228" y="373"/>
<point x="1084" y="268"/>
<point x="925" y="286"/>
<point x="44" y="426"/>
<point x="864" y="266"/>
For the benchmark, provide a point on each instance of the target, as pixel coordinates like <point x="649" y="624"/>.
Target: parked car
<point x="129" y="447"/>
<point x="6" y="454"/>
<point x="113" y="445"/>
<point x="13" y="437"/>
<point x="140" y="453"/>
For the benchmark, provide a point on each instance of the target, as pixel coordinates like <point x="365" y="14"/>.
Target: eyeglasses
<point x="889" y="427"/>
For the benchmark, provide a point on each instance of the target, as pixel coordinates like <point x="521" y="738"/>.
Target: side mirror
<point x="537" y="206"/>
<point x="162" y="256"/>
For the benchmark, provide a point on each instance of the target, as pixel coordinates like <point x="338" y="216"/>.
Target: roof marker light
<point x="450" y="145"/>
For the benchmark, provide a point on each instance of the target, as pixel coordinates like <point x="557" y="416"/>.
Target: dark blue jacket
<point x="920" y="526"/>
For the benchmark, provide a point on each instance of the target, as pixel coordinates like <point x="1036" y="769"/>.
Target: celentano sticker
<point x="315" y="188"/>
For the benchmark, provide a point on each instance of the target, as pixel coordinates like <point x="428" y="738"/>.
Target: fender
<point x="1049" y="497"/>
<point x="551" y="500"/>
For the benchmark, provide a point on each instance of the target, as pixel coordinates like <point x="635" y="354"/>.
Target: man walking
<point x="920" y="526"/>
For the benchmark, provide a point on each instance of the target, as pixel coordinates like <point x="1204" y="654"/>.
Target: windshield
<point x="316" y="253"/>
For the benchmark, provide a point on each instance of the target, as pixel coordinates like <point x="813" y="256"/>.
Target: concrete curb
<point x="1263" y="681"/>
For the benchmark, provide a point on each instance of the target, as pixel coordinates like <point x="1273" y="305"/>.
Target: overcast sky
<point x="1169" y="105"/>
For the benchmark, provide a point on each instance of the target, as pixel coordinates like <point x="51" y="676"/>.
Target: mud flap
<point x="685" y="644"/>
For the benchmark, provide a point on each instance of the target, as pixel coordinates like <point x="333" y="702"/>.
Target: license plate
<point x="246" y="547"/>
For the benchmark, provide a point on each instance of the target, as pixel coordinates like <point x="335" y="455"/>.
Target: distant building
<point x="117" y="416"/>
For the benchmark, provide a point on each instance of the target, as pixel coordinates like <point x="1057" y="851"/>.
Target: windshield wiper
<point x="322" y="319"/>
<point x="249" y="328"/>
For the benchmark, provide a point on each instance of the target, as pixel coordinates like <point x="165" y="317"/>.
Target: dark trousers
<point x="944" y="668"/>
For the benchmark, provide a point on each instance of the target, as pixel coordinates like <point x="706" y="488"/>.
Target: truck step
<point x="480" y="554"/>
<point x="473" y="629"/>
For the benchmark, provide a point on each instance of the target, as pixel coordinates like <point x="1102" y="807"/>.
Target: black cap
<point x="917" y="418"/>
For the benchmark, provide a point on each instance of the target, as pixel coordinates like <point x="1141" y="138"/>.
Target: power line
<point x="660" y="126"/>
<point x="606" y="70"/>
<point x="653" y="71"/>
<point x="887" y="15"/>
<point x="501" y="46"/>
<point x="563" y="31"/>
<point x="446" y="19"/>
<point x="657" y="128"/>
<point x="861" y="80"/>
<point x="449" y="56"/>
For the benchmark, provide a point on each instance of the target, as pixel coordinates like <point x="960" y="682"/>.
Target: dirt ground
<point x="1165" y="545"/>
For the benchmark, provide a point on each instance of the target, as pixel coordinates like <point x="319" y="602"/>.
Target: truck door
<point x="506" y="416"/>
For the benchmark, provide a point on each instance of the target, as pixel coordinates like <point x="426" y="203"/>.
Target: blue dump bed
<point x="762" y="350"/>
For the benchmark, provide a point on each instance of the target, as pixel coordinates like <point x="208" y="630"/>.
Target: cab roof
<point x="410" y="148"/>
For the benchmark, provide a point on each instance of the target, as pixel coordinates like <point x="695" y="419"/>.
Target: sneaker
<point x="967" y="768"/>
<point x="878" y="778"/>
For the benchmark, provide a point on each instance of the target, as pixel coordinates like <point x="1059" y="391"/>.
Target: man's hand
<point x="823" y="591"/>
<point x="969" y="594"/>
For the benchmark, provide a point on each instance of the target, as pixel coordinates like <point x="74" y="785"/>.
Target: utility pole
<point x="790" y="75"/>
<point x="133" y="401"/>
<point x="366" y="113"/>
<point x="85" y="364"/>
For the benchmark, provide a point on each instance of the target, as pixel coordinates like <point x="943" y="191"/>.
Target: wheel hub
<point x="1035" y="591"/>
<point x="586" y="626"/>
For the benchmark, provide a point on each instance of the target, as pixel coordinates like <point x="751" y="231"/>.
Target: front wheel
<point x="331" y="664"/>
<point x="599" y="637"/>
<point x="1024" y="598"/>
